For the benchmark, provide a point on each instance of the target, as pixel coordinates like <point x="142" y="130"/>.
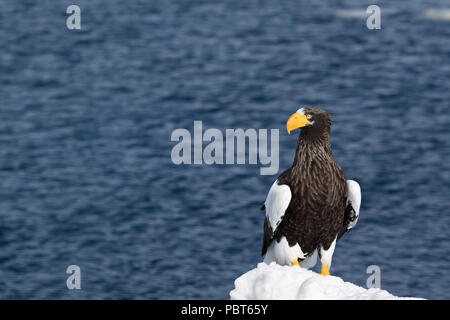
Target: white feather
<point x="282" y="253"/>
<point x="276" y="203"/>
<point x="301" y="111"/>
<point x="354" y="198"/>
<point x="326" y="256"/>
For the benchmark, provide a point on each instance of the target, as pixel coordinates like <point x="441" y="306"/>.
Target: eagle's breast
<point x="316" y="211"/>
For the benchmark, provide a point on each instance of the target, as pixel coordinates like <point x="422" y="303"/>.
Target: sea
<point x="86" y="121"/>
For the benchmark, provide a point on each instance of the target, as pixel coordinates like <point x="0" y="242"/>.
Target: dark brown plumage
<point x="316" y="213"/>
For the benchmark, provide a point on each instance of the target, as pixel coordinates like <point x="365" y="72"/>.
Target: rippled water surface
<point x="86" y="117"/>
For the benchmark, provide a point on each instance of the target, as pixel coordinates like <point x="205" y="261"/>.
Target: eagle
<point x="311" y="204"/>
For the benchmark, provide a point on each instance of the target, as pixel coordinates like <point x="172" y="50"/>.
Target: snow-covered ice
<point x="276" y="282"/>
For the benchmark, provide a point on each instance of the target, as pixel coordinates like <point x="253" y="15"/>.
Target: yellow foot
<point x="295" y="263"/>
<point x="325" y="271"/>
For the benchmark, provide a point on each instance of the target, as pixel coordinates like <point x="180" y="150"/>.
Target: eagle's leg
<point x="326" y="257"/>
<point x="295" y="263"/>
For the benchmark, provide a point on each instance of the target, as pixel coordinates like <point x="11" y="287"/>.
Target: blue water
<point x="86" y="117"/>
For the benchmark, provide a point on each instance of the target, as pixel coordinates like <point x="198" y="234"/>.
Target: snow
<point x="276" y="282"/>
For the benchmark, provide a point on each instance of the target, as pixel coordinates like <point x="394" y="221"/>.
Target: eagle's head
<point x="310" y="119"/>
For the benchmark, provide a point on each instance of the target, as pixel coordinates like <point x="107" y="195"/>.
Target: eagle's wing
<point x="351" y="215"/>
<point x="276" y="204"/>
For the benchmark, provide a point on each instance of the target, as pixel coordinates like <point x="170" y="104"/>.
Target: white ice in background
<point x="351" y="14"/>
<point x="276" y="282"/>
<point x="438" y="14"/>
<point x="361" y="13"/>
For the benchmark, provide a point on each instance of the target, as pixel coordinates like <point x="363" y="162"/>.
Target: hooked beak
<point x="296" y="121"/>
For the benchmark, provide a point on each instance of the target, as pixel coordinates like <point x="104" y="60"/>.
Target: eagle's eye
<point x="308" y="116"/>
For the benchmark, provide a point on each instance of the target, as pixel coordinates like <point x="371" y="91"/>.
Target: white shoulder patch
<point x="276" y="203"/>
<point x="354" y="198"/>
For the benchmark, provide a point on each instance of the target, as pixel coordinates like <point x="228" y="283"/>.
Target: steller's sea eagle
<point x="311" y="205"/>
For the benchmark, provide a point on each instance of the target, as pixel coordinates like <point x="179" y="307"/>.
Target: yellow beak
<point x="296" y="121"/>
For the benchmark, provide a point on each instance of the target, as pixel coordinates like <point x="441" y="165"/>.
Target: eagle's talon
<point x="325" y="271"/>
<point x="295" y="263"/>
